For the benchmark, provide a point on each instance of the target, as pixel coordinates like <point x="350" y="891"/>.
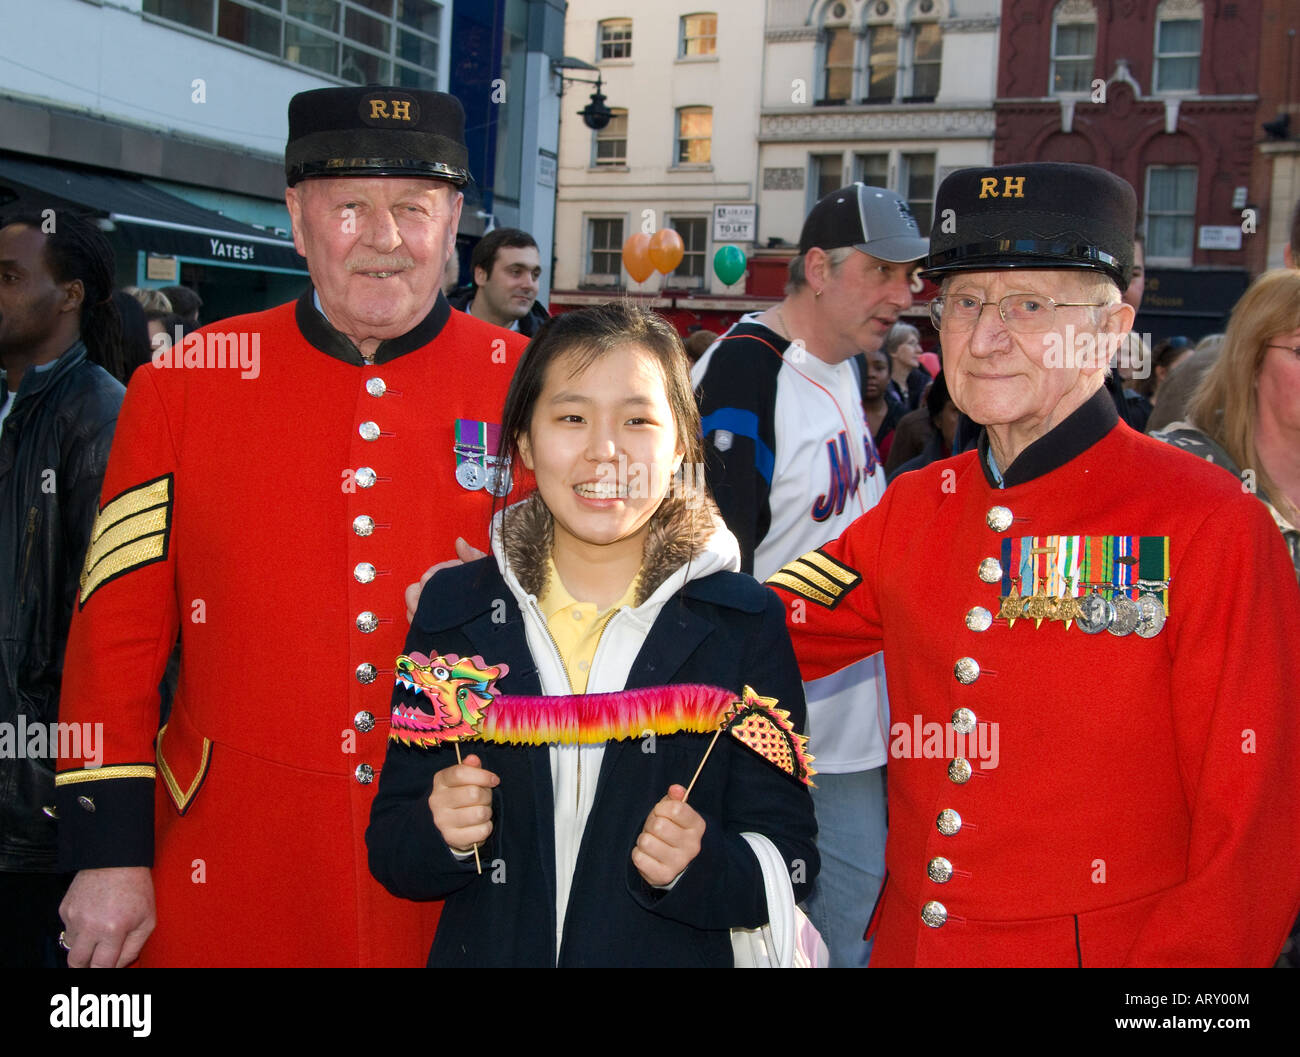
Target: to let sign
<point x="737" y="223"/>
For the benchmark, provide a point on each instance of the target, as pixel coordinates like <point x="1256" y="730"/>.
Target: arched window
<point x="838" y="45"/>
<point x="694" y="135"/>
<point x="698" y="35"/>
<point x="927" y="52"/>
<point x="1178" y="46"/>
<point x="882" y="53"/>
<point x="1074" y="46"/>
<point x="615" y="39"/>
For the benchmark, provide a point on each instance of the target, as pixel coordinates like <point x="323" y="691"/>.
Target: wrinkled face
<point x="603" y="447"/>
<point x="30" y="298"/>
<point x="877" y="376"/>
<point x="511" y="289"/>
<point x="376" y="248"/>
<point x="1277" y="385"/>
<point x="860" y="300"/>
<point x="1001" y="378"/>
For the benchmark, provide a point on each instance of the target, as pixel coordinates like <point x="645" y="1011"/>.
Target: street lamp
<point x="595" y="115"/>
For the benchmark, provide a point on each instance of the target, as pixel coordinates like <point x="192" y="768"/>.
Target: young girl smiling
<point x="609" y="577"/>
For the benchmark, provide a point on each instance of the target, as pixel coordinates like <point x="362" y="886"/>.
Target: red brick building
<point x="1166" y="95"/>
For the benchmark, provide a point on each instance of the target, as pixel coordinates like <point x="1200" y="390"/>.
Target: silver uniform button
<point x="934" y="914"/>
<point x="365" y="773"/>
<point x="967" y="670"/>
<point x="367" y="673"/>
<point x="959" y="770"/>
<point x="369" y="430"/>
<point x="940" y="870"/>
<point x="363" y="525"/>
<point x="86" y="803"/>
<point x="990" y="570"/>
<point x="364" y="721"/>
<point x="948" y="822"/>
<point x="998" y="519"/>
<point x="979" y="619"/>
<point x="364" y="572"/>
<point x="963" y="720"/>
<point x="376" y="386"/>
<point x="367" y="621"/>
<point x="366" y="477"/>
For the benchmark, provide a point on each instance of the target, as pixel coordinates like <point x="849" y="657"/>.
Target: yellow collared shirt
<point x="577" y="626"/>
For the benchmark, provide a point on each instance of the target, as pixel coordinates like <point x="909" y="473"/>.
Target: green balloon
<point x="729" y="264"/>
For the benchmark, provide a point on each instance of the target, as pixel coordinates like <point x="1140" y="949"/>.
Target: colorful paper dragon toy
<point x="451" y="699"/>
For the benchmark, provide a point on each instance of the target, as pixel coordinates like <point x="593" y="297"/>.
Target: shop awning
<point x="144" y="217"/>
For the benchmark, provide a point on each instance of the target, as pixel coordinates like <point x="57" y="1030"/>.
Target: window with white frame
<point x="695" y="235"/>
<point x="1178" y="46"/>
<point x="694" y="135"/>
<point x="699" y="35"/>
<point x="826" y="174"/>
<point x="871" y="169"/>
<point x="615" y="39"/>
<point x="611" y="141"/>
<point x="1074" y="46"/>
<point x="1170" y="213"/>
<point x="604" y="250"/>
<point x="918" y="187"/>
<point x="927" y="59"/>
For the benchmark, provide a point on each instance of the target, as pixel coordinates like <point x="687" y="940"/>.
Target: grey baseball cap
<point x="872" y="219"/>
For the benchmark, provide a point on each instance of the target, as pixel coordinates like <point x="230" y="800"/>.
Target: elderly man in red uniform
<point x="271" y="505"/>
<point x="1094" y="637"/>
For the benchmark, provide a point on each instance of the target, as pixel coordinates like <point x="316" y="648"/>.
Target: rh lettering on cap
<point x="389" y="110"/>
<point x="1012" y="187"/>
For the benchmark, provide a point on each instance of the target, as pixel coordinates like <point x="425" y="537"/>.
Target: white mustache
<point x="380" y="264"/>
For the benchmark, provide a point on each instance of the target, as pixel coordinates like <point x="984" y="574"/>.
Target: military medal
<point x="1010" y="602"/>
<point x="497" y="479"/>
<point x="471" y="454"/>
<point x="1126" y="611"/>
<point x="1151" y="615"/>
<point x="1095" y="613"/>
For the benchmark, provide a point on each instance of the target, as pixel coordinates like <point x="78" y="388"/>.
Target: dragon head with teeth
<point x="446" y="697"/>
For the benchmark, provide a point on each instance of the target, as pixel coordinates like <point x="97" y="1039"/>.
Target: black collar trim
<point x="318" y="331"/>
<point x="1079" y="432"/>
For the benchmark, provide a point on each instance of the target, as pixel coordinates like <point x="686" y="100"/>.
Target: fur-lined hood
<point x="686" y="538"/>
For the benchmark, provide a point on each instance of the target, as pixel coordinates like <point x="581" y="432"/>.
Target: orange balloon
<point x="666" y="250"/>
<point x="636" y="257"/>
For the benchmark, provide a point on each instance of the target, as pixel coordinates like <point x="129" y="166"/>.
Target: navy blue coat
<point x="723" y="630"/>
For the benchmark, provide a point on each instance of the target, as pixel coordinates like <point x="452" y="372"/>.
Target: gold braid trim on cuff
<point x="94" y="774"/>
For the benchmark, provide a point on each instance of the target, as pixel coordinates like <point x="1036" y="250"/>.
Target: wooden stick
<point x="702" y="763"/>
<point x="477" y="861"/>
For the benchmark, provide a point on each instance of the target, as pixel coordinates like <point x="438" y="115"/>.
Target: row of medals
<point x="1093" y="612"/>
<point x="495" y="477"/>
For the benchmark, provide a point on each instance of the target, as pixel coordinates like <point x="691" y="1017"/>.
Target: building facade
<point x="167" y="118"/>
<point x="1164" y="94"/>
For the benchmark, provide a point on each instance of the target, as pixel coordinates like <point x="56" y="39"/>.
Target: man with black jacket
<point x="506" y="268"/>
<point x="56" y="425"/>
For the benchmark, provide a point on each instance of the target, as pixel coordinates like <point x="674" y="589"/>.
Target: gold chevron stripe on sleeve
<point x="94" y="774"/>
<point x="132" y="530"/>
<point x="800" y="587"/>
<point x="848" y="577"/>
<point x="810" y="573"/>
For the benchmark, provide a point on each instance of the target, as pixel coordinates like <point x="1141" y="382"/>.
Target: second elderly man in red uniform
<point x="274" y="515"/>
<point x="1092" y="636"/>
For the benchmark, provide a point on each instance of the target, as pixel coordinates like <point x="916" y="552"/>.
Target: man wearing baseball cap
<point x="273" y="512"/>
<point x="1092" y="636"/>
<point x="791" y="463"/>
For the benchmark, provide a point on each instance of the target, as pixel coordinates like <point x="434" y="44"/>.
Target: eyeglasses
<point x="1022" y="313"/>
<point x="1286" y="348"/>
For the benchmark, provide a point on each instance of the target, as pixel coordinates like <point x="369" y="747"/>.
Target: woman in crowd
<point x="610" y="576"/>
<point x="908" y="378"/>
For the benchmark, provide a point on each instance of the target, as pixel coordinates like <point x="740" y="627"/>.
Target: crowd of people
<point x="1043" y="660"/>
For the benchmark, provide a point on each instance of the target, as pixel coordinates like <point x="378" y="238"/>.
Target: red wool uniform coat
<point x="276" y="521"/>
<point x="1140" y="809"/>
